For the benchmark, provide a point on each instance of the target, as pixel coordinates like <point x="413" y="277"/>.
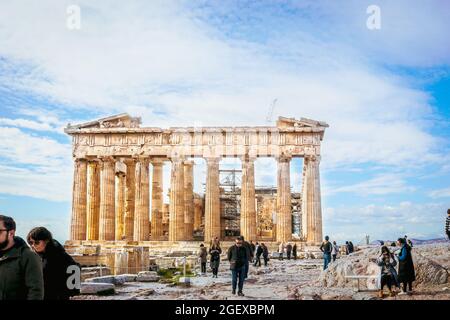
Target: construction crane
<point x="270" y="114"/>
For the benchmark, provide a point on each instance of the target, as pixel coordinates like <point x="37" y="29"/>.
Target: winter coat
<point x="390" y="266"/>
<point x="215" y="256"/>
<point x="250" y="252"/>
<point x="406" y="271"/>
<point x="238" y="256"/>
<point x="265" y="252"/>
<point x="203" y="255"/>
<point x="259" y="251"/>
<point x="55" y="262"/>
<point x="21" y="273"/>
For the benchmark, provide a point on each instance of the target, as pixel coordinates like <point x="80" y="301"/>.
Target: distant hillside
<point x="414" y="241"/>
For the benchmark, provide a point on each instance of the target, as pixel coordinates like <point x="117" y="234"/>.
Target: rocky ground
<point x="302" y="280"/>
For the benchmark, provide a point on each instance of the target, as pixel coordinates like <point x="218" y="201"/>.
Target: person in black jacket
<point x="238" y="257"/>
<point x="55" y="263"/>
<point x="259" y="252"/>
<point x="215" y="252"/>
<point x="265" y="253"/>
<point x="447" y="224"/>
<point x="406" y="272"/>
<point x="20" y="268"/>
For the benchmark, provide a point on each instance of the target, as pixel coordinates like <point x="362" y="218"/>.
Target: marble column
<point x="188" y="200"/>
<point x="212" y="200"/>
<point x="107" y="201"/>
<point x="120" y="205"/>
<point x="130" y="199"/>
<point x="93" y="200"/>
<point x="157" y="199"/>
<point x="198" y="213"/>
<point x="176" y="206"/>
<point x="313" y="207"/>
<point x="248" y="209"/>
<point x="142" y="202"/>
<point x="78" y="221"/>
<point x="284" y="215"/>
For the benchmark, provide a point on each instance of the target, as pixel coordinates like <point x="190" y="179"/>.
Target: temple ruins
<point x="118" y="200"/>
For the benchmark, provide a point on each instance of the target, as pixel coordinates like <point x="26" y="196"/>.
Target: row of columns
<point x="110" y="205"/>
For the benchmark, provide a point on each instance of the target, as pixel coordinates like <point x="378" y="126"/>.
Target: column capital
<point x="212" y="160"/>
<point x="313" y="157"/>
<point x="189" y="163"/>
<point x="157" y="161"/>
<point x="106" y="159"/>
<point x="247" y="158"/>
<point x="283" y="158"/>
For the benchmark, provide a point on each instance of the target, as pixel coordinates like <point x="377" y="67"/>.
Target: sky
<point x="385" y="93"/>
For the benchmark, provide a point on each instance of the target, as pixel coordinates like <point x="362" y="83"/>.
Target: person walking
<point x="294" y="251"/>
<point x="203" y="255"/>
<point x="238" y="257"/>
<point x="388" y="274"/>
<point x="259" y="252"/>
<point x="215" y="252"/>
<point x="281" y="251"/>
<point x="253" y="250"/>
<point x="447" y="224"/>
<point x="21" y="275"/>
<point x="326" y="248"/>
<point x="351" y="248"/>
<point x="288" y="251"/>
<point x="56" y="262"/>
<point x="334" y="251"/>
<point x="406" y="273"/>
<point x="265" y="254"/>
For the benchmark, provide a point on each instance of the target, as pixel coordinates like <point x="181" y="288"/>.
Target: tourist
<point x="238" y="258"/>
<point x="334" y="250"/>
<point x="265" y="254"/>
<point x="253" y="249"/>
<point x="351" y="247"/>
<point x="326" y="248"/>
<point x="55" y="261"/>
<point x="347" y="248"/>
<point x="20" y="268"/>
<point x="294" y="251"/>
<point x="447" y="224"/>
<point x="215" y="252"/>
<point x="281" y="251"/>
<point x="259" y="252"/>
<point x="288" y="251"/>
<point x="388" y="275"/>
<point x="250" y="253"/>
<point x="203" y="254"/>
<point x="406" y="273"/>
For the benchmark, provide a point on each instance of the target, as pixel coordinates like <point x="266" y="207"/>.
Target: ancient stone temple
<point x="118" y="181"/>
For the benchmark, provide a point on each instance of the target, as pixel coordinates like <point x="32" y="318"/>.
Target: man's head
<point x="7" y="232"/>
<point x="239" y="241"/>
<point x="327" y="238"/>
<point x="448" y="212"/>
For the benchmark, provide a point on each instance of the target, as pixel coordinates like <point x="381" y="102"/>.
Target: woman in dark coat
<point x="215" y="252"/>
<point x="406" y="273"/>
<point x="55" y="263"/>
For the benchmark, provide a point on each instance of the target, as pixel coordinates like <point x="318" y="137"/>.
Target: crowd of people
<point x="34" y="271"/>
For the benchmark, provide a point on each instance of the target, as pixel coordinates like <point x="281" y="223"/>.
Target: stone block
<point x="97" y="288"/>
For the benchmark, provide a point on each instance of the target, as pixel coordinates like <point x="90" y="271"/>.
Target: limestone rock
<point x="148" y="276"/>
<point x="97" y="288"/>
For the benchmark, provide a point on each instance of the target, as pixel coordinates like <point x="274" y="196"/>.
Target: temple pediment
<point x="122" y="120"/>
<point x="303" y="122"/>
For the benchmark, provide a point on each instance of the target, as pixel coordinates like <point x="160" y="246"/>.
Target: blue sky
<point x="385" y="93"/>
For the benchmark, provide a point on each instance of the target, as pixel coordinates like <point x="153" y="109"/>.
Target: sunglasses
<point x="32" y="243"/>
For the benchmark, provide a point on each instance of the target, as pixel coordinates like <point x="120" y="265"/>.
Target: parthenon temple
<point x="118" y="180"/>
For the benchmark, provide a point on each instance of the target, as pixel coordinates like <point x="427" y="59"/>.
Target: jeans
<point x="238" y="273"/>
<point x="257" y="261"/>
<point x="334" y="257"/>
<point x="246" y="267"/>
<point x="203" y="267"/>
<point x="326" y="260"/>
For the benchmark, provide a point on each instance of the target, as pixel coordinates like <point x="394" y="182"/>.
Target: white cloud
<point x="440" y="193"/>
